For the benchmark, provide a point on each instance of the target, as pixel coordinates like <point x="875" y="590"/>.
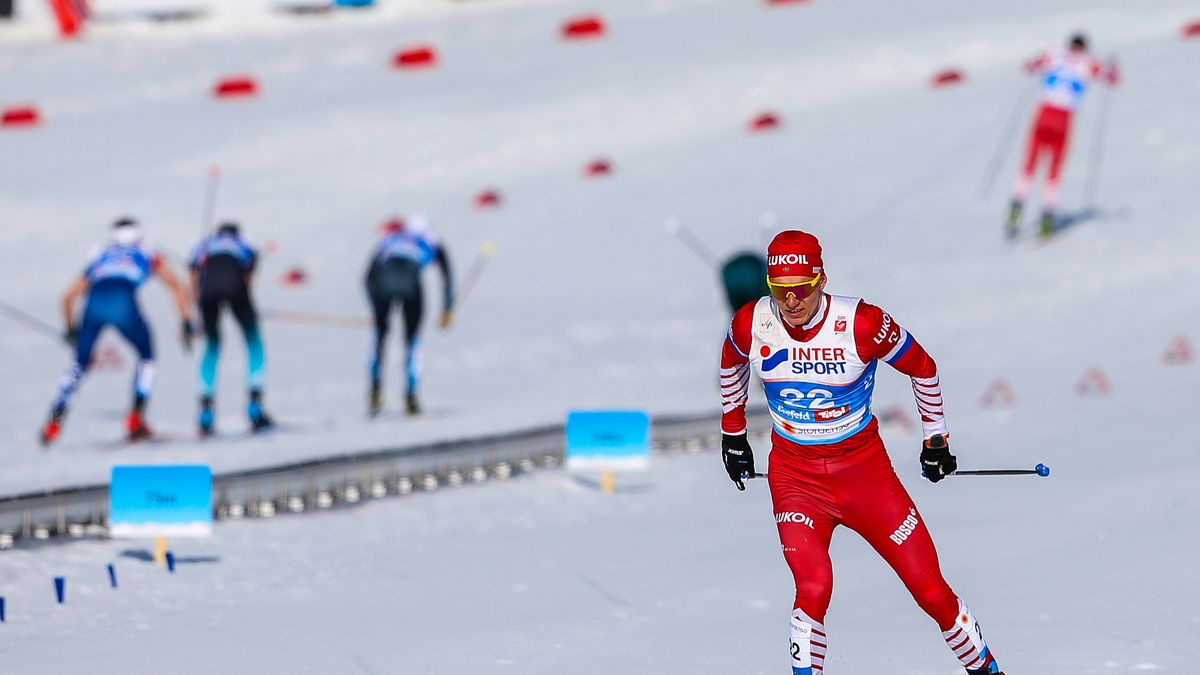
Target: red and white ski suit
<point x="818" y="484"/>
<point x="1065" y="78"/>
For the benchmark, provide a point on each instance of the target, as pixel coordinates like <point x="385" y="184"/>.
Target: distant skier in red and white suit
<point x="1065" y="78"/>
<point x="816" y="355"/>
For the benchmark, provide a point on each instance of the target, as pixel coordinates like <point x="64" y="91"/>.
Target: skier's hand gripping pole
<point x="937" y="463"/>
<point x="738" y="458"/>
<point x="936" y="460"/>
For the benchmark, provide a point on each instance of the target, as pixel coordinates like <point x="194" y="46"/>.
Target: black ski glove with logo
<point x="738" y="458"/>
<point x="936" y="460"/>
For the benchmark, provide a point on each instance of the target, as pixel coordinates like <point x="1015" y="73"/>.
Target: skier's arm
<point x="1109" y="72"/>
<point x="1037" y="64"/>
<point x="195" y="262"/>
<point x="878" y="336"/>
<point x="250" y="265"/>
<point x="69" y="298"/>
<point x="181" y="299"/>
<point x="735" y="372"/>
<point x="443" y="262"/>
<point x="736" y="453"/>
<point x="195" y="276"/>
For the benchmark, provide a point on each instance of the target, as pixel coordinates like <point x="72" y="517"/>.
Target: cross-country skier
<point x="1065" y="78"/>
<point x="111" y="279"/>
<point x="816" y="355"/>
<point x="222" y="268"/>
<point x="394" y="276"/>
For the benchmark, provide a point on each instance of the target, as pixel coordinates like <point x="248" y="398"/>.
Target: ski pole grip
<point x="1042" y="470"/>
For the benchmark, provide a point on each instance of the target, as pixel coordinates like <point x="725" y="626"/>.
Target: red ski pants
<point x="1050" y="132"/>
<point x="860" y="490"/>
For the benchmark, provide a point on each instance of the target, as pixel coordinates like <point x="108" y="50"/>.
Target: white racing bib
<point x="817" y="391"/>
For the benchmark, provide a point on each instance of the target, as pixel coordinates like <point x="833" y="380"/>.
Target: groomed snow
<point x="589" y="303"/>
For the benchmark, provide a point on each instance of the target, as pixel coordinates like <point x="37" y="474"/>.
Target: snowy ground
<point x="677" y="573"/>
<point x="590" y="303"/>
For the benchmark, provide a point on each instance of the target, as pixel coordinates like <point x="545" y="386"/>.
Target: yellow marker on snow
<point x="160" y="550"/>
<point x="608" y="481"/>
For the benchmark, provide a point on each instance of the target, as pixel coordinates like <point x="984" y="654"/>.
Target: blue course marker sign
<point x="160" y="501"/>
<point x="608" y="439"/>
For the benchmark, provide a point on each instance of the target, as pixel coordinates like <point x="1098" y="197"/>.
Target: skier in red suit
<point x="1065" y="77"/>
<point x="816" y="355"/>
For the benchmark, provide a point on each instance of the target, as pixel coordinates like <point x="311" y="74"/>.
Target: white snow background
<point x="590" y="303"/>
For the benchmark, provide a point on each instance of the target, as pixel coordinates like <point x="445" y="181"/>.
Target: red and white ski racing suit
<point x="828" y="465"/>
<point x="1065" y="79"/>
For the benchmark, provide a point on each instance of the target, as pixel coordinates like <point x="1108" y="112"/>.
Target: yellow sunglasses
<point x="801" y="290"/>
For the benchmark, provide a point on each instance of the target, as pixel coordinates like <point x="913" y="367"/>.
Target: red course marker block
<point x="947" y="77"/>
<point x="233" y="87"/>
<point x="895" y="415"/>
<point x="1094" y="381"/>
<point x="487" y="199"/>
<point x="107" y="358"/>
<point x="20" y="116"/>
<point x="597" y="168"/>
<point x="294" y="276"/>
<point x="767" y="121"/>
<point x="416" y="56"/>
<point x="1191" y="30"/>
<point x="998" y="391"/>
<point x="584" y="28"/>
<point x="1179" y="352"/>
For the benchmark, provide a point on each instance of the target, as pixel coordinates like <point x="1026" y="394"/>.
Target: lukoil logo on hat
<point x="793" y="253"/>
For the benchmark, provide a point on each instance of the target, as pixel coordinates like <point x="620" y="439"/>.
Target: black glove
<point x="936" y="460"/>
<point x="70" y="335"/>
<point x="738" y="458"/>
<point x="187" y="332"/>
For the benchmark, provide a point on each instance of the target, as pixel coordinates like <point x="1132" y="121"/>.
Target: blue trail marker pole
<point x="112" y="575"/>
<point x="170" y="562"/>
<point x="60" y="588"/>
<point x="1" y="609"/>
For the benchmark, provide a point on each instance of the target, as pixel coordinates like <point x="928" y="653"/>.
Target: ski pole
<point x="989" y="177"/>
<point x="473" y="273"/>
<point x="317" y="318"/>
<point x="767" y="223"/>
<point x="210" y="199"/>
<point x="1096" y="152"/>
<point x="171" y="254"/>
<point x="1039" y="470"/>
<point x="674" y="227"/>
<point x="30" y="321"/>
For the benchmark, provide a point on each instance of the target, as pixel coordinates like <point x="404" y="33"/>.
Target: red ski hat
<point x="793" y="253"/>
